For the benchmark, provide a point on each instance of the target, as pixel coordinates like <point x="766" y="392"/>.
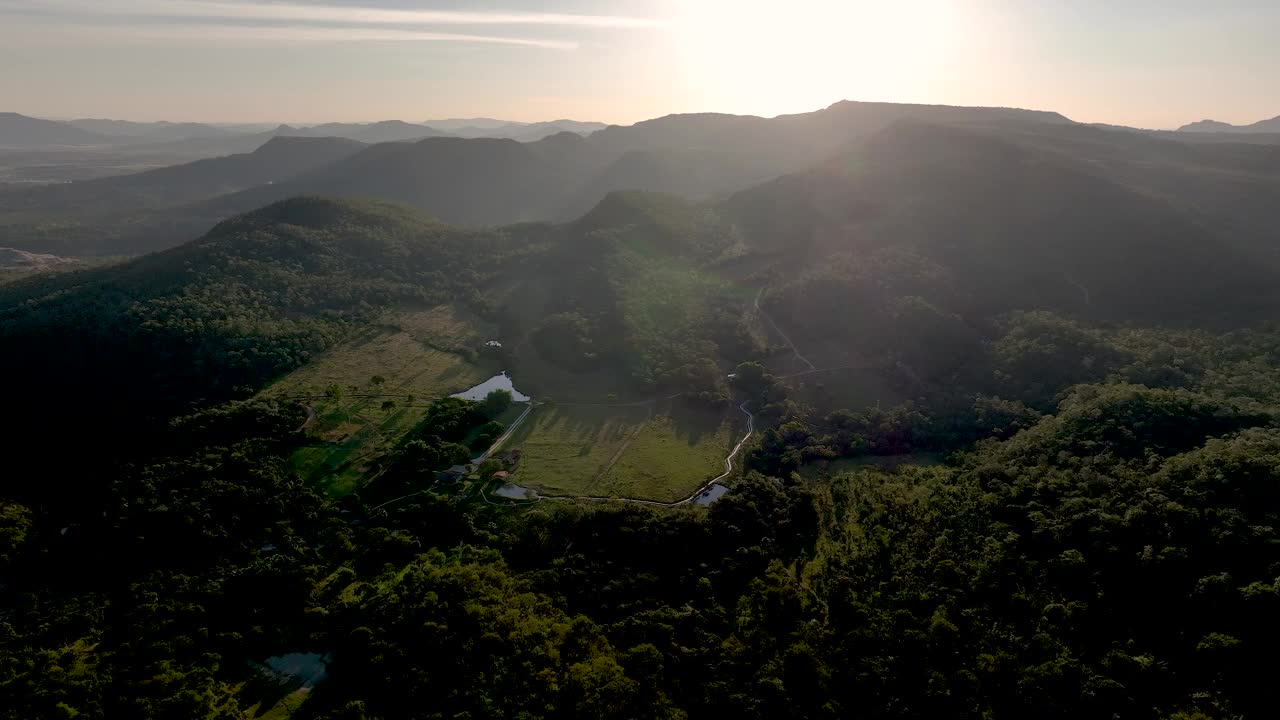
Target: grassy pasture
<point x="353" y="432"/>
<point x="406" y="356"/>
<point x="566" y="448"/>
<point x="675" y="454"/>
<point x="662" y="452"/>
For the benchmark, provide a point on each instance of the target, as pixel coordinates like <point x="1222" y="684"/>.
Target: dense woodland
<point x="1118" y="557"/>
<point x="1076" y="513"/>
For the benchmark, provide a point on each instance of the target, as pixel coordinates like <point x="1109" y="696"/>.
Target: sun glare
<point x="772" y="57"/>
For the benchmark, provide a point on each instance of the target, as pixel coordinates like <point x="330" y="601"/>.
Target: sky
<point x="1143" y="63"/>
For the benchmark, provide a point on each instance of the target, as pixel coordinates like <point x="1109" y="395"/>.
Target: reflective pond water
<point x="712" y="494"/>
<point x="501" y="381"/>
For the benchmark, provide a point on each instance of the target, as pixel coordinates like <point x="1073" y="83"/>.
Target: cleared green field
<point x="407" y="366"/>
<point x="348" y="441"/>
<point x="565" y="448"/>
<point x="352" y="432"/>
<point x="630" y="452"/>
<point x="674" y="455"/>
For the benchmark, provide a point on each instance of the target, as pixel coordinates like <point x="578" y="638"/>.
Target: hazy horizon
<point x="1148" y="64"/>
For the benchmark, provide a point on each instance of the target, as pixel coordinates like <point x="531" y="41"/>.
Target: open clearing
<point x="416" y="352"/>
<point x="353" y="432"/>
<point x="661" y="451"/>
<point x="672" y="456"/>
<point x="565" y="448"/>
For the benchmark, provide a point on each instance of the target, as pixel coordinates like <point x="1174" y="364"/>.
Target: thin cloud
<point x="346" y="14"/>
<point x="247" y="35"/>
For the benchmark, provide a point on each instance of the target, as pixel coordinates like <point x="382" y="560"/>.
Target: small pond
<point x="514" y="492"/>
<point x="501" y="381"/>
<point x="306" y="669"/>
<point x="712" y="494"/>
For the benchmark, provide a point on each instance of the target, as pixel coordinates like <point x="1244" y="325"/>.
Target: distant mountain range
<point x="20" y="131"/>
<point x="278" y="159"/>
<point x="524" y="132"/>
<point x="1214" y="126"/>
<point x="478" y="181"/>
<point x="451" y="124"/>
<point x="201" y="139"/>
<point x="485" y="182"/>
<point x="149" y="132"/>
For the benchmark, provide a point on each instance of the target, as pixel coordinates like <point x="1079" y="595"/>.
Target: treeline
<point x="1008" y="382"/>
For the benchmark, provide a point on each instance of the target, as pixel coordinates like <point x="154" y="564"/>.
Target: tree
<point x="388" y="405"/>
<point x="495" y="403"/>
<point x="489" y="467"/>
<point x="758" y="384"/>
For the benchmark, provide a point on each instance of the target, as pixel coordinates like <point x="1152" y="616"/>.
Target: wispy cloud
<point x="43" y="33"/>
<point x="346" y="14"/>
<point x="245" y="22"/>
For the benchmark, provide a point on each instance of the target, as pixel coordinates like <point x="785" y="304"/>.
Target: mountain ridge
<point x="1271" y="125"/>
<point x="22" y="131"/>
<point x="493" y="182"/>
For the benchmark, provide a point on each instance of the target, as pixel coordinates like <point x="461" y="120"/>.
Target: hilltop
<point x="20" y="131"/>
<point x="1214" y="126"/>
<point x="524" y="132"/>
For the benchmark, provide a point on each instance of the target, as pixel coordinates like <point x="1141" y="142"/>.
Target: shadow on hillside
<point x="693" y="421"/>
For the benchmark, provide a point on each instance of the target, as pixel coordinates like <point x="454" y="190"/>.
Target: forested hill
<point x="468" y="182"/>
<point x="982" y="221"/>
<point x="121" y="348"/>
<point x="262" y="293"/>
<point x="251" y="299"/>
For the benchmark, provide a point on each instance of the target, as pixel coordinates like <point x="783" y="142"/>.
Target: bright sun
<point x="777" y="56"/>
